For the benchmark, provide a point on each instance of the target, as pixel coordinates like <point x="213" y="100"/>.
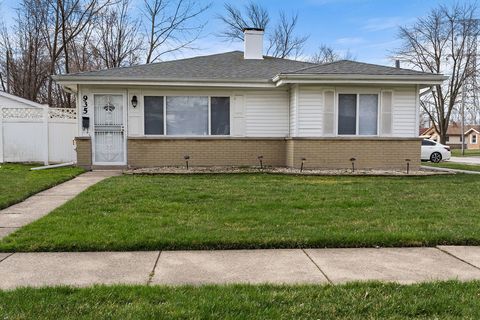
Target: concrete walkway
<point x="309" y="266"/>
<point x="42" y="203"/>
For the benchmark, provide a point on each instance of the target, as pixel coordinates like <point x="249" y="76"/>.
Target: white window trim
<point x="357" y="93"/>
<point x="476" y="139"/>
<point x="165" y="96"/>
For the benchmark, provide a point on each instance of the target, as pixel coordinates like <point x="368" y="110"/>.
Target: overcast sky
<point x="367" y="28"/>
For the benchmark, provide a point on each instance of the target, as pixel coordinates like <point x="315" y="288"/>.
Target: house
<point x="454" y="135"/>
<point x="472" y="135"/>
<point x="231" y="108"/>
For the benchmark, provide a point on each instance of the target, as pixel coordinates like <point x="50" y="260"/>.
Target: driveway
<point x="466" y="160"/>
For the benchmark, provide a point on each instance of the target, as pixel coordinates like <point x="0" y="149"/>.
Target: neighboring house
<point x="454" y="135"/>
<point x="231" y="108"/>
<point x="472" y="137"/>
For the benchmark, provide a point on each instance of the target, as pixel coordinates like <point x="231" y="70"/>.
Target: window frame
<point x="357" y="120"/>
<point x="476" y="138"/>
<point x="171" y="94"/>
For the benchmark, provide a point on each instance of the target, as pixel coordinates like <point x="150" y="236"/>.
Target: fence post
<point x="1" y="135"/>
<point x="45" y="133"/>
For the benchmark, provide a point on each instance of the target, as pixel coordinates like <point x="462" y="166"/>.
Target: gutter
<point x="343" y="78"/>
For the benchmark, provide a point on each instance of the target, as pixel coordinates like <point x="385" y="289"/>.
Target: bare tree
<point x="235" y="21"/>
<point x="24" y="60"/>
<point x="283" y="42"/>
<point x="441" y="43"/>
<point x="173" y="25"/>
<point x="282" y="39"/>
<point x="66" y="20"/>
<point x="119" y="43"/>
<point x="326" y="54"/>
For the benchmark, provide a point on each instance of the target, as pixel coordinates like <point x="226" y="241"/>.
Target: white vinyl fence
<point x="37" y="134"/>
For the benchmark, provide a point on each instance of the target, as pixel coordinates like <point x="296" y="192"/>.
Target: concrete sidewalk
<point x="295" y="266"/>
<point x="42" y="203"/>
<point x="473" y="160"/>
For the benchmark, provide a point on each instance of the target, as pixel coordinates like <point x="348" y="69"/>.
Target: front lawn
<point x="18" y="182"/>
<point x="439" y="300"/>
<point x="468" y="152"/>
<point x="258" y="211"/>
<point x="453" y="165"/>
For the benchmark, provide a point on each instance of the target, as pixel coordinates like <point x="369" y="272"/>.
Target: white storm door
<point x="109" y="133"/>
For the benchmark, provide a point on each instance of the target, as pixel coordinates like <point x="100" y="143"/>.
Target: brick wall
<point x="335" y="153"/>
<point x="147" y="152"/>
<point x="84" y="152"/>
<point x="327" y="153"/>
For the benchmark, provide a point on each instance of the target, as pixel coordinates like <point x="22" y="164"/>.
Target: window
<point x="153" y="119"/>
<point x="474" y="139"/>
<point x="358" y="114"/>
<point x="187" y="115"/>
<point x="428" y="143"/>
<point x="220" y="116"/>
<point x="447" y="138"/>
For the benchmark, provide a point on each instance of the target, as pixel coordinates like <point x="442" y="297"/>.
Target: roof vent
<point x="253" y="43"/>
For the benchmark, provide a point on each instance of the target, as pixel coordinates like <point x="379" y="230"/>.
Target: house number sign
<point x="85" y="104"/>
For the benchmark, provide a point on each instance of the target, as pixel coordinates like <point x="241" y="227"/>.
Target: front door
<point x="109" y="135"/>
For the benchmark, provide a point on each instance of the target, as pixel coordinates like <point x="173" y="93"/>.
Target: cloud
<point x="385" y="23"/>
<point x="350" y="41"/>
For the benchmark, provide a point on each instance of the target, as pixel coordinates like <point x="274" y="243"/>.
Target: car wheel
<point x="436" y="157"/>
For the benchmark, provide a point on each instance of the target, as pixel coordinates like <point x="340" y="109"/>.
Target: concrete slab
<point x="403" y="265"/>
<point x="37" y="204"/>
<point x="76" y="268"/>
<point x="236" y="266"/>
<point x="17" y="220"/>
<point x="469" y="254"/>
<point x="4" y="255"/>
<point x="6" y="231"/>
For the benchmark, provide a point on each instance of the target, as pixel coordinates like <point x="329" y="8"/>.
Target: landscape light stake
<point x="353" y="164"/>
<point x="301" y="166"/>
<point x="186" y="160"/>
<point x="260" y="158"/>
<point x="408" y="165"/>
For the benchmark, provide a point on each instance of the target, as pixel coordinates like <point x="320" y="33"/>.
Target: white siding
<point x="310" y="111"/>
<point x="404" y="112"/>
<point x="267" y="113"/>
<point x="293" y="110"/>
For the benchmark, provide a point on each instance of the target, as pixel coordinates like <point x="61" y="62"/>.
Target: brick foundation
<point x="84" y="152"/>
<point x="324" y="153"/>
<point x="149" y="152"/>
<point x="370" y="153"/>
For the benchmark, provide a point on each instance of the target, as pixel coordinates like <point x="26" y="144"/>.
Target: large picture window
<point x="186" y="115"/>
<point x="358" y="114"/>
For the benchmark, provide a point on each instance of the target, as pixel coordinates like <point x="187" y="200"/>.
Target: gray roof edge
<point x="67" y="78"/>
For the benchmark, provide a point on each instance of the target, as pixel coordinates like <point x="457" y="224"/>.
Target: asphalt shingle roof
<point x="232" y="66"/>
<point x="355" y="67"/>
<point x="223" y="66"/>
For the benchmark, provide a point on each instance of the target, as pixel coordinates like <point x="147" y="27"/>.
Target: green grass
<point x="17" y="182"/>
<point x="468" y="153"/>
<point x="258" y="211"/>
<point x="439" y="300"/>
<point x="452" y="165"/>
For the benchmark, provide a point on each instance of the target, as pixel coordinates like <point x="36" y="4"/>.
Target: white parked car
<point x="434" y="151"/>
